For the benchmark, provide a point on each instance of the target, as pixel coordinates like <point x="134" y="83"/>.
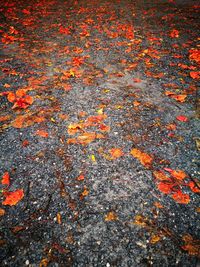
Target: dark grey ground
<point x="47" y="168"/>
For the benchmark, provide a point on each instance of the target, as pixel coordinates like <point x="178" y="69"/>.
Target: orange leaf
<point x="21" y="92"/>
<point x="6" y="179"/>
<point x="193" y="187"/>
<point x="80" y="177"/>
<point x="180" y="175"/>
<point x="195" y="55"/>
<point x="74" y="128"/>
<point x="165" y="188"/>
<point x="111" y="216"/>
<point x="179" y="98"/>
<point x="181" y="198"/>
<point x="195" y="74"/>
<point x="160" y="175"/>
<point x="2" y="212"/>
<point x="4" y="118"/>
<point x="144" y="158"/>
<point x="116" y="152"/>
<point x="59" y="218"/>
<point x="42" y="133"/>
<point x="12" y="198"/>
<point x="11" y="97"/>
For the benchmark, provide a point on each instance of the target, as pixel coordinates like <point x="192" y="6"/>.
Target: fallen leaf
<point x="180" y="98"/>
<point x="160" y="175"/>
<point x="110" y="216"/>
<point x="74" y="128"/>
<point x="174" y="33"/>
<point x="182" y="118"/>
<point x="84" y="193"/>
<point x="59" y="218"/>
<point x="18" y="228"/>
<point x="158" y="205"/>
<point x="193" y="187"/>
<point x="2" y="212"/>
<point x="194" y="54"/>
<point x="104" y="128"/>
<point x="12" y="198"/>
<point x="144" y="158"/>
<point x="25" y="143"/>
<point x="181" y="198"/>
<point x="5" y="179"/>
<point x="179" y="175"/>
<point x="42" y="133"/>
<point x="5" y="118"/>
<point x="80" y="177"/>
<point x="141" y="220"/>
<point x="165" y="188"/>
<point x="116" y="153"/>
<point x="154" y="239"/>
<point x="195" y="74"/>
<point x="44" y="262"/>
<point x="192" y="246"/>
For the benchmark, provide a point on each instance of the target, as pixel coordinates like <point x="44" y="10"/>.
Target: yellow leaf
<point x="93" y="158"/>
<point x="100" y="111"/>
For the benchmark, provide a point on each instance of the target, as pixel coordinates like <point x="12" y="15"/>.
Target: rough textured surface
<point x="79" y="59"/>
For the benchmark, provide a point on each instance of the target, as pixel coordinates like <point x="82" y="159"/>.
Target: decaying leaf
<point x="141" y="220"/>
<point x="192" y="246"/>
<point x="84" y="193"/>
